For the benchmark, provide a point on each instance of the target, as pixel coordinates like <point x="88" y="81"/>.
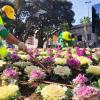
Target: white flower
<point x="62" y="71"/>
<point x="2" y="63"/>
<point x="54" y="92"/>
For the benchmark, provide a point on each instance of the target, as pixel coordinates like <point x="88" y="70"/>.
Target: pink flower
<point x="80" y="79"/>
<point x="85" y="91"/>
<point x="80" y="52"/>
<point x="50" y="51"/>
<point x="97" y="54"/>
<point x="48" y="60"/>
<point x="29" y="50"/>
<point x="10" y="73"/>
<point x="57" y="55"/>
<point x="36" y="75"/>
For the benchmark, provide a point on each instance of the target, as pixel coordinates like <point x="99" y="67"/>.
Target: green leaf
<point x="69" y="93"/>
<point x="95" y="84"/>
<point x="99" y="83"/>
<point x="39" y="88"/>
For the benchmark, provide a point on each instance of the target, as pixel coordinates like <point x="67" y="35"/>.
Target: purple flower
<point x="14" y="56"/>
<point x="29" y="49"/>
<point x="47" y="60"/>
<point x="80" y="79"/>
<point x="90" y="57"/>
<point x="10" y="73"/>
<point x="37" y="75"/>
<point x="73" y="63"/>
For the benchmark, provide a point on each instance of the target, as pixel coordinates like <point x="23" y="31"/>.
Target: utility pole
<point x="88" y="3"/>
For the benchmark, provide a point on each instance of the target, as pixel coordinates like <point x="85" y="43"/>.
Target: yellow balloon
<point x="3" y="52"/>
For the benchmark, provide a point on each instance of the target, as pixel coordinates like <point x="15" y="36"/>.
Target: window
<point x="88" y="36"/>
<point x="79" y="37"/>
<point x="96" y="18"/>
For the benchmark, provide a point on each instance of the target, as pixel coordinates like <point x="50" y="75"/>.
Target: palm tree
<point x="85" y="22"/>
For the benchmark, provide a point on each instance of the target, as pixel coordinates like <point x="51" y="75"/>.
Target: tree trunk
<point x="85" y="35"/>
<point x="40" y="43"/>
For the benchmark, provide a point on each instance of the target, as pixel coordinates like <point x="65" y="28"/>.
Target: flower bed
<point x="65" y="74"/>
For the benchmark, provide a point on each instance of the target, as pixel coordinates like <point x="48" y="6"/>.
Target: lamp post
<point x="88" y="3"/>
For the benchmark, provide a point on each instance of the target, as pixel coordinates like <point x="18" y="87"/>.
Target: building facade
<point x="78" y="31"/>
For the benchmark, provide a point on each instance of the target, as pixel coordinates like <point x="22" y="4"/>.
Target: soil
<point x="27" y="91"/>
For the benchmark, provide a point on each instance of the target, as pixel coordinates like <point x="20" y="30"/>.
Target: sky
<point x="81" y="9"/>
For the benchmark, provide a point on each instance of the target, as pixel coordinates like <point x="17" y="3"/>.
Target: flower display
<point x="80" y="52"/>
<point x="62" y="71"/>
<point x="50" y="51"/>
<point x="57" y="55"/>
<point x="87" y="52"/>
<point x="90" y="57"/>
<point x="67" y="56"/>
<point x="84" y="60"/>
<point x="2" y="63"/>
<point x="36" y="75"/>
<point x="29" y="69"/>
<point x="23" y="57"/>
<point x="73" y="63"/>
<point x="43" y="53"/>
<point x="94" y="70"/>
<point x="97" y="54"/>
<point x="8" y="92"/>
<point x="14" y="56"/>
<point x="73" y="51"/>
<point x="40" y="58"/>
<point x="60" y="61"/>
<point x="10" y="73"/>
<point x="80" y="79"/>
<point x="22" y="64"/>
<point x="54" y="92"/>
<point x="47" y="60"/>
<point x="95" y="57"/>
<point x="63" y="53"/>
<point x="57" y="66"/>
<point x="86" y="92"/>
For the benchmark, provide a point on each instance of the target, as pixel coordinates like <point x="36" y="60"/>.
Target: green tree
<point x="42" y="18"/>
<point x="64" y="26"/>
<point x="49" y="15"/>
